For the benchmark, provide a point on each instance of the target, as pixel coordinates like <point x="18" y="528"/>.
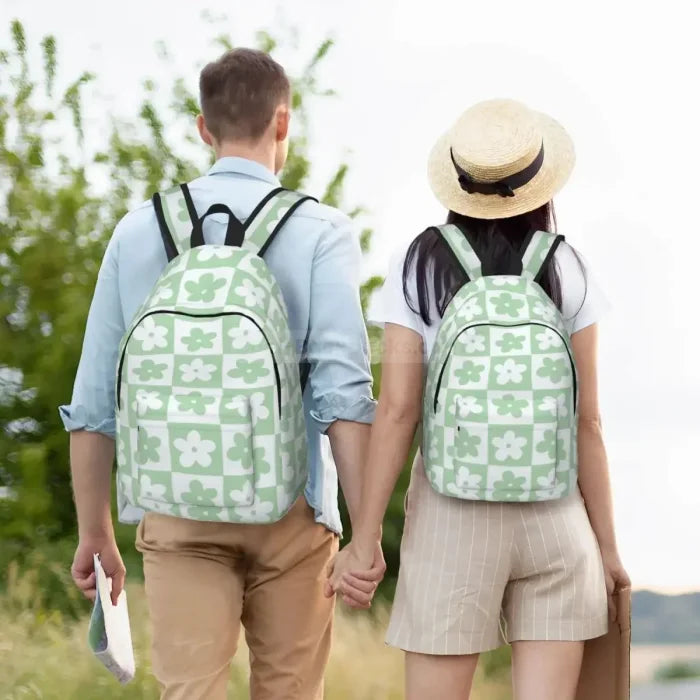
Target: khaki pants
<point x="204" y="579"/>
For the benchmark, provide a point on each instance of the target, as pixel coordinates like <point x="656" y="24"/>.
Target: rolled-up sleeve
<point x="92" y="406"/>
<point x="337" y="349"/>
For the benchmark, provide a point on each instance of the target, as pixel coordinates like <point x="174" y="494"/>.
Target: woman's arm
<point x="594" y="476"/>
<point x="398" y="414"/>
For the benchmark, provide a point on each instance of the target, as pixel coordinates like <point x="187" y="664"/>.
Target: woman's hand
<point x="616" y="578"/>
<point x="355" y="573"/>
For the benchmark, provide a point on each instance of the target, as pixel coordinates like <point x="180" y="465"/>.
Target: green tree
<point x="54" y="226"/>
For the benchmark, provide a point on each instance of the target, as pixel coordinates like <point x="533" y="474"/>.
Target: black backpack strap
<point x="269" y="217"/>
<point x="176" y="218"/>
<point x="462" y="249"/>
<point x="538" y="252"/>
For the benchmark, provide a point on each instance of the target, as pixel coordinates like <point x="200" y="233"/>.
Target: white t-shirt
<point x="583" y="301"/>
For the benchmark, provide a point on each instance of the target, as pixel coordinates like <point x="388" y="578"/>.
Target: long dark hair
<point x="498" y="242"/>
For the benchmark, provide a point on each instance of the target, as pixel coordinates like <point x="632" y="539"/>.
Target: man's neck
<point x="259" y="153"/>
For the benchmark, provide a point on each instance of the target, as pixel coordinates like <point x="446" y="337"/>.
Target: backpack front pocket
<point x="499" y="445"/>
<point x="201" y="460"/>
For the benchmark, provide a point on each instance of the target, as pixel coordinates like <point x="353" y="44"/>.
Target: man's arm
<point x="92" y="455"/>
<point x="340" y="378"/>
<point x="91" y="420"/>
<point x="338" y="352"/>
<point x="349" y="443"/>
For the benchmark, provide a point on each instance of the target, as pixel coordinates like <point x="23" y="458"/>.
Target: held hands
<point x="83" y="569"/>
<point x="355" y="573"/>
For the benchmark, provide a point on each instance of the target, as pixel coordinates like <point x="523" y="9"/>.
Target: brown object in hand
<point x="605" y="674"/>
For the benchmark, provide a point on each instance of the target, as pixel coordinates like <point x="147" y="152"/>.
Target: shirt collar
<point x="243" y="166"/>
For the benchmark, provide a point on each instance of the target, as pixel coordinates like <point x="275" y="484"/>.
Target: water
<point x="680" y="690"/>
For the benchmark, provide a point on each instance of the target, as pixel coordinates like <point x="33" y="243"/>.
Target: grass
<point x="677" y="670"/>
<point x="44" y="655"/>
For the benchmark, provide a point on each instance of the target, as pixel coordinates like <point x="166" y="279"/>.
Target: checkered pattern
<point x="500" y="413"/>
<point x="210" y="418"/>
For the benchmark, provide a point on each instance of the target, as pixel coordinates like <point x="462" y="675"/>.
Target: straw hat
<point x="500" y="159"/>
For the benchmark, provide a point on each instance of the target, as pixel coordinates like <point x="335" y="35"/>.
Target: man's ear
<point x="203" y="131"/>
<point x="282" y="117"/>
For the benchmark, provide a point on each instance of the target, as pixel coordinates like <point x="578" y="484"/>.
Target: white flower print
<point x="151" y="335"/>
<point x="556" y="405"/>
<point x="273" y="224"/>
<point x="510" y="371"/>
<point x="434" y="447"/>
<point x="197" y="370"/>
<point x="251" y="294"/>
<point x="260" y="511"/>
<point x="208" y="252"/>
<point x="547" y="490"/>
<point x="562" y="408"/>
<point x="470" y="309"/>
<point x="548" y="339"/>
<point x="473" y="341"/>
<point x="242" y="495"/>
<point x="239" y="405"/>
<point x="546" y="482"/>
<point x="178" y="265"/>
<point x="121" y="451"/>
<point x="467" y="480"/>
<point x="466" y="405"/>
<point x="150" y="490"/>
<point x="548" y="405"/>
<point x="545" y="312"/>
<point x="505" y="281"/>
<point x="251" y="264"/>
<point x="287" y="469"/>
<point x="147" y="401"/>
<point x="243" y="336"/>
<point x="160" y="507"/>
<point x="258" y="407"/>
<point x="466" y="484"/>
<point x="510" y="446"/>
<point x="162" y="293"/>
<point x="194" y="450"/>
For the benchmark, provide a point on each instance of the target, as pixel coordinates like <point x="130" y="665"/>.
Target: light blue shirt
<point x="316" y="261"/>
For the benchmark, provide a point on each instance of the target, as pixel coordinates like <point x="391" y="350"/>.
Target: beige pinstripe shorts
<point x="476" y="574"/>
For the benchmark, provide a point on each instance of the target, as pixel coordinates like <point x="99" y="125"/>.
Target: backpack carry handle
<point x="235" y="232"/>
<point x="182" y="229"/>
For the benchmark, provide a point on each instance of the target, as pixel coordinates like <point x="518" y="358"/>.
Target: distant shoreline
<point x="645" y="659"/>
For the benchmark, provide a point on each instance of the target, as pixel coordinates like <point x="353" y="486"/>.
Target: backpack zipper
<point x="505" y="325"/>
<point x="216" y="315"/>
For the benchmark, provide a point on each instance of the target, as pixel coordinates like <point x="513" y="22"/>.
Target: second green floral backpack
<point x="499" y="414"/>
<point x="210" y="418"/>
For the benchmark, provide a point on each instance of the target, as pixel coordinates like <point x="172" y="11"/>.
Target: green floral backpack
<point x="499" y="414"/>
<point x="209" y="393"/>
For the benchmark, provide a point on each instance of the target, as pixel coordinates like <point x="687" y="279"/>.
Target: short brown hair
<point x="240" y="92"/>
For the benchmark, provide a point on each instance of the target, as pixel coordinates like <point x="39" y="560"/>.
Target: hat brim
<point x="559" y="159"/>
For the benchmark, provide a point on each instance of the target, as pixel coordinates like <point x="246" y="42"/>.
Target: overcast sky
<point x="620" y="78"/>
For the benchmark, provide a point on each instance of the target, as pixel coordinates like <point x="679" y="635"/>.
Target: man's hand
<point x="355" y="575"/>
<point x="83" y="569"/>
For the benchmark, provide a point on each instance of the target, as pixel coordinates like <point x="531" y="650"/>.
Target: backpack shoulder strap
<point x="462" y="249"/>
<point x="537" y="253"/>
<point x="176" y="217"/>
<point x="268" y="218"/>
